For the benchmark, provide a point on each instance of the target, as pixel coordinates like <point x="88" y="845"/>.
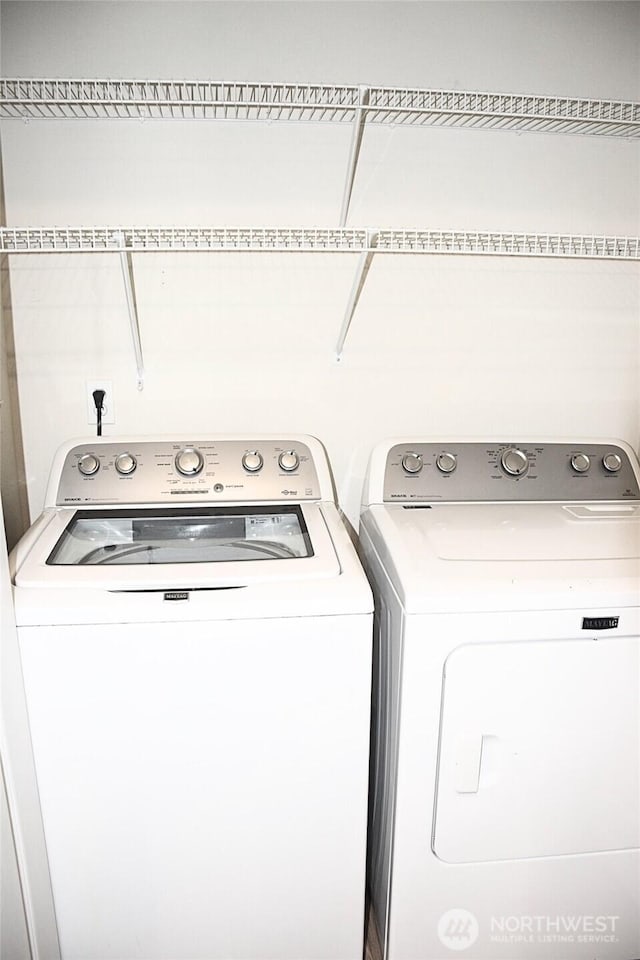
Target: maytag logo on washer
<point x="600" y="623"/>
<point x="458" y="929"/>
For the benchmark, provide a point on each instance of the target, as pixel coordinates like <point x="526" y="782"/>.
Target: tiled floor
<point x="373" y="949"/>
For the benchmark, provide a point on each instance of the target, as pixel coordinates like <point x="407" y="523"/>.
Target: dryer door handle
<point x="468" y="760"/>
<point x="478" y="761"/>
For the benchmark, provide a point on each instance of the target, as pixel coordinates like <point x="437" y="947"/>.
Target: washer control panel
<point x="190" y="471"/>
<point x="456" y="472"/>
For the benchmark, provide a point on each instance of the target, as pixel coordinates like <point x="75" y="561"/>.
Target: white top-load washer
<point x="195" y="637"/>
<point x="505" y="815"/>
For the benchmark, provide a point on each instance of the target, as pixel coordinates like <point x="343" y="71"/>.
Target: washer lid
<point x="508" y="556"/>
<point x="151" y="547"/>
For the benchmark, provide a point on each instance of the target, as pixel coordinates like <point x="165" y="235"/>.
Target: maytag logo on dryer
<point x="176" y="595"/>
<point x="600" y="623"/>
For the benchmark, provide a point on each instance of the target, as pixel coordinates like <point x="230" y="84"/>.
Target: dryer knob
<point x="252" y="461"/>
<point x="289" y="460"/>
<point x="412" y="462"/>
<point x="514" y="462"/>
<point x="88" y="464"/>
<point x="446" y="462"/>
<point x="612" y="462"/>
<point x="580" y="462"/>
<point x="126" y="463"/>
<point x="189" y="462"/>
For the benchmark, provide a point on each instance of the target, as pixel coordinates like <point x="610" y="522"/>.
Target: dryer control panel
<point x="512" y="471"/>
<point x="189" y="471"/>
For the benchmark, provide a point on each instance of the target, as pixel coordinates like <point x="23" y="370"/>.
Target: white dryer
<point x="505" y="813"/>
<point x="195" y="637"/>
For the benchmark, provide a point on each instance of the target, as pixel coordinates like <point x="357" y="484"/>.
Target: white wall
<point x="14" y="944"/>
<point x="12" y="479"/>
<point x="14" y="941"/>
<point x="245" y="343"/>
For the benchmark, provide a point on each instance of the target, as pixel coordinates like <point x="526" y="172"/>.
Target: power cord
<point x="98" y="399"/>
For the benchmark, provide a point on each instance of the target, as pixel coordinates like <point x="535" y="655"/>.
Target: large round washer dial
<point x="125" y="463"/>
<point x="252" y="461"/>
<point x="514" y="462"/>
<point x="289" y="460"/>
<point x="412" y="462"/>
<point x="88" y="464"/>
<point x="189" y="462"/>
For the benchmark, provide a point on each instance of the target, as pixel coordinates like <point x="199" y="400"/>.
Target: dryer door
<point x="539" y="750"/>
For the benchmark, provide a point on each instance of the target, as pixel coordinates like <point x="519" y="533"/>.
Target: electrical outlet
<point x="108" y="410"/>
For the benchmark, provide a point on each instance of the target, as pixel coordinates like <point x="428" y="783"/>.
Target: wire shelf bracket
<point x="126" y="264"/>
<point x="364" y="264"/>
<point x="354" y="152"/>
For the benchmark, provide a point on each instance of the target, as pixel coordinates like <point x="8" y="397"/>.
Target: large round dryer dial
<point x="189" y="462"/>
<point x="514" y="462"/>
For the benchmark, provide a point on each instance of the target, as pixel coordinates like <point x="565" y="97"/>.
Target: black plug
<point x="98" y="399"/>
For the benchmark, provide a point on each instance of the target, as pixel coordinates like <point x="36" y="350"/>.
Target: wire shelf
<point x="503" y="111"/>
<point x="179" y="239"/>
<point x="31" y="98"/>
<point x="509" y="244"/>
<point x="173" y="99"/>
<point x="17" y="240"/>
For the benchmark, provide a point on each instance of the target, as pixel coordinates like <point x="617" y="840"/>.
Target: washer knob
<point x="580" y="462"/>
<point x="189" y="462"/>
<point x="514" y="462"/>
<point x="252" y="461"/>
<point x="612" y="462"/>
<point x="125" y="463"/>
<point x="412" y="462"/>
<point x="446" y="462"/>
<point x="289" y="460"/>
<point x="88" y="464"/>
